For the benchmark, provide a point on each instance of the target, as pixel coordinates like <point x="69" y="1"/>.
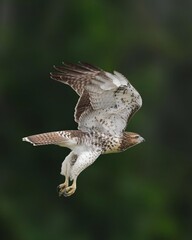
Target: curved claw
<point x="68" y="191"/>
<point x="61" y="188"/>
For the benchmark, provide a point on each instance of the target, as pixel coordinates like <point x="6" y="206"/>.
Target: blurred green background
<point x="142" y="194"/>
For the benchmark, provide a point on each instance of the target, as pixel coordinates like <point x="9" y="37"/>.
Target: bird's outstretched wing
<point x="107" y="101"/>
<point x="76" y="76"/>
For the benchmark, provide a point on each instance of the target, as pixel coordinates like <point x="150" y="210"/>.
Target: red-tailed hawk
<point x="106" y="103"/>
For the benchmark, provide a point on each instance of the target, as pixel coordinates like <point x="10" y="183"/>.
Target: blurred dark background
<point x="142" y="194"/>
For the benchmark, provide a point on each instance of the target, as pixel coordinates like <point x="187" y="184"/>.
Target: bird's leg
<point x="63" y="186"/>
<point x="68" y="191"/>
<point x="65" y="172"/>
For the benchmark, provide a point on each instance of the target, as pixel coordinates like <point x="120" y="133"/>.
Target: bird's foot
<point x="61" y="188"/>
<point x="68" y="191"/>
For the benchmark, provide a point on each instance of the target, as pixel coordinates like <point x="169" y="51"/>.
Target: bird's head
<point x="130" y="139"/>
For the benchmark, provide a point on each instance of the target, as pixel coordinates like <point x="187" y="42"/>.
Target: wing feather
<point x="113" y="100"/>
<point x="107" y="101"/>
<point x="77" y="76"/>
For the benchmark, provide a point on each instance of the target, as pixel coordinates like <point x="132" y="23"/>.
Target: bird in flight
<point x="107" y="101"/>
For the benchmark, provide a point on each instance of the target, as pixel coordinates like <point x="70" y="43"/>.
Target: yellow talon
<point x="68" y="191"/>
<point x="62" y="187"/>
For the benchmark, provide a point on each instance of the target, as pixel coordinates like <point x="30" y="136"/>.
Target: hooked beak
<point x="142" y="139"/>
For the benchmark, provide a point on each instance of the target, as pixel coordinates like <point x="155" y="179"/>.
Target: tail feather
<point x="61" y="138"/>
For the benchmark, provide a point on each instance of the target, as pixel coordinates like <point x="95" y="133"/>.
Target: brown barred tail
<point x="67" y="138"/>
<point x="45" y="139"/>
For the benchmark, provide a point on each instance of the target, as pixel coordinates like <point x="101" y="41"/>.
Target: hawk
<point x="106" y="104"/>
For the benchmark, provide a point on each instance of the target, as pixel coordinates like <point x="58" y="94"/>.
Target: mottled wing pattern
<point x="82" y="105"/>
<point x="114" y="101"/>
<point x="107" y="101"/>
<point x="76" y="76"/>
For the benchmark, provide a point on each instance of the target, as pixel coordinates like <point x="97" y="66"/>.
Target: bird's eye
<point x="136" y="136"/>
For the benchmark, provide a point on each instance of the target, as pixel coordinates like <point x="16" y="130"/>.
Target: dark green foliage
<point x="141" y="194"/>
